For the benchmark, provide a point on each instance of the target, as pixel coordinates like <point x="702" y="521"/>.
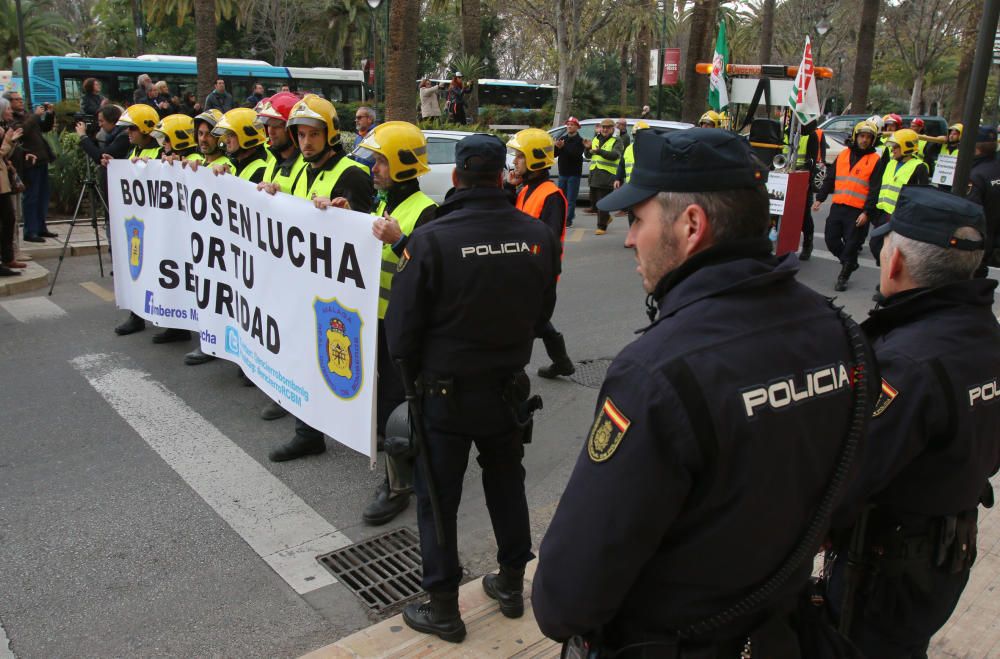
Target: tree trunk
<point x="205" y="46"/>
<point x="623" y="77"/>
<point x="642" y="67"/>
<point x="766" y="32"/>
<point x="472" y="29"/>
<point x="401" y="67"/>
<point x="865" y="55"/>
<point x="969" y="35"/>
<point x="347" y="56"/>
<point x="918" y="92"/>
<point x="567" y="65"/>
<point x="700" y="48"/>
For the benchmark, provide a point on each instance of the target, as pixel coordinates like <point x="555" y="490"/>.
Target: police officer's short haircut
<point x="930" y="265"/>
<point x="111" y="113"/>
<point x="733" y="214"/>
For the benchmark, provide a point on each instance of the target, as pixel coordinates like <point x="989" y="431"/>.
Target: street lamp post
<point x="663" y="59"/>
<point x="373" y="4"/>
<point x="24" y="57"/>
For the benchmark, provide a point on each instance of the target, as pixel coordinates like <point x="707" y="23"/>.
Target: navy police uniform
<point x="469" y="293"/>
<point x="934" y="442"/>
<point x="984" y="189"/>
<point x="717" y="429"/>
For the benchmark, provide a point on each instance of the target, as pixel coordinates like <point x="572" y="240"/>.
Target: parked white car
<point x="441" y="158"/>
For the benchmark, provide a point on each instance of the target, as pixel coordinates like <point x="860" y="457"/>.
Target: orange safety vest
<point x="850" y="188"/>
<point x="533" y="205"/>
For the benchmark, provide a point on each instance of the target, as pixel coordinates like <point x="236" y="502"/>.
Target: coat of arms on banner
<point x="134" y="231"/>
<point x="338" y="340"/>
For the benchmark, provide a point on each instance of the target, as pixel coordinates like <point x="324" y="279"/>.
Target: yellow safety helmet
<point x="316" y="111"/>
<point x="640" y="125"/>
<point x="210" y="117"/>
<point x="958" y="127"/>
<point x="710" y="117"/>
<point x="906" y="139"/>
<point x="537" y="147"/>
<point x="402" y="144"/>
<point x="178" y="128"/>
<point x="142" y="116"/>
<point x="243" y="123"/>
<point x="864" y="127"/>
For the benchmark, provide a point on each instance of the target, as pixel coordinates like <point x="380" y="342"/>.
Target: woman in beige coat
<point x="9" y="267"/>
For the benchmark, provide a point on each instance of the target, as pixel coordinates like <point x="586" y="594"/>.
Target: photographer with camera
<point x="32" y="162"/>
<point x="115" y="146"/>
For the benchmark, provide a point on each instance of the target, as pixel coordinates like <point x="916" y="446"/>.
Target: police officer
<point x="935" y="427"/>
<point x="469" y="293"/>
<point x="854" y="181"/>
<point x="604" y="152"/>
<point x="697" y="446"/>
<point x="534" y="154"/>
<point x="398" y="151"/>
<point x="905" y="168"/>
<point x="315" y="130"/>
<point x="984" y="189"/>
<point x="139" y="121"/>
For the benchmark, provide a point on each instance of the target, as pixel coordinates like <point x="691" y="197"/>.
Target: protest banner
<point x="286" y="291"/>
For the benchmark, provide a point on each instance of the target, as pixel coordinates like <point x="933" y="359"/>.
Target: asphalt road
<point x="114" y="542"/>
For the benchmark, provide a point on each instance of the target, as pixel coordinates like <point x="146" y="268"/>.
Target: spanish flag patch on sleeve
<point x="403" y="260"/>
<point x="885" y="398"/>
<point x="607" y="432"/>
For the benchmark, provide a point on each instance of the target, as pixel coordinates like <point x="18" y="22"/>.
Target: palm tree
<point x="700" y="47"/>
<point x="766" y="32"/>
<point x="401" y="67"/>
<point x="205" y="45"/>
<point x="42" y="30"/>
<point x="865" y="54"/>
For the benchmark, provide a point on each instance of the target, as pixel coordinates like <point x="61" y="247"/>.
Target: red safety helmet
<point x="918" y="122"/>
<point x="278" y="106"/>
<point x="574" y="121"/>
<point x="894" y="118"/>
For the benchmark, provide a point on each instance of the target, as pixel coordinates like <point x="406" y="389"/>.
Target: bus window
<point x="72" y="89"/>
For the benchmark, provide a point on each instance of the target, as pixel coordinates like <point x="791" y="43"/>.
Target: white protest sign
<point x="287" y="291"/>
<point x="777" y="188"/>
<point x="944" y="170"/>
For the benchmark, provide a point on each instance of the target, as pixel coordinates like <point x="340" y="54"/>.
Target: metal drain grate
<point x="383" y="571"/>
<point x="591" y="372"/>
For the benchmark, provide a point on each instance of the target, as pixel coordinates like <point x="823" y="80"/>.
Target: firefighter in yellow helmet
<point x="140" y="120"/>
<point x="904" y="169"/>
<point x="398" y="151"/>
<point x="243" y="138"/>
<point x="954" y="137"/>
<point x="211" y="151"/>
<point x="534" y="154"/>
<point x="710" y="119"/>
<point x="175" y="135"/>
<point x="313" y="127"/>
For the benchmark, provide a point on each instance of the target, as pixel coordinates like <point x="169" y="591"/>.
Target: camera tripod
<point x="90" y="188"/>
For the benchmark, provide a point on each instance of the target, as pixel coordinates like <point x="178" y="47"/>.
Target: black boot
<point x="297" y="447"/>
<point x="273" y="411"/>
<point x="439" y="616"/>
<point x="384" y="506"/>
<point x="507" y="588"/>
<point x="196" y="357"/>
<point x="171" y="335"/>
<point x="555" y="346"/>
<point x="845" y="273"/>
<point x="132" y="325"/>
<point x="807" y="248"/>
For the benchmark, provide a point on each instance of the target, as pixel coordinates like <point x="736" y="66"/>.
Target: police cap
<point x="932" y="216"/>
<point x="986" y="134"/>
<point x="481" y="153"/>
<point x="693" y="160"/>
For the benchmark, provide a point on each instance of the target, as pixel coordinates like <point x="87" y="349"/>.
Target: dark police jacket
<point x="472" y="287"/>
<point x="984" y="189"/>
<point x="715" y="437"/>
<point x="935" y="433"/>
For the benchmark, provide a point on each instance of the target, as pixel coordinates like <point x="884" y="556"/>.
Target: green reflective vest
<point x="600" y="162"/>
<point x="150" y="152"/>
<point x="273" y="173"/>
<point x="407" y="214"/>
<point x="948" y="151"/>
<point x="325" y="181"/>
<point x="252" y="168"/>
<point x="894" y="178"/>
<point x="629" y="157"/>
<point x="221" y="160"/>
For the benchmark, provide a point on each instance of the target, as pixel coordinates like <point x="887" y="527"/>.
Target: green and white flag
<point x="804" y="101"/>
<point x="718" y="97"/>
